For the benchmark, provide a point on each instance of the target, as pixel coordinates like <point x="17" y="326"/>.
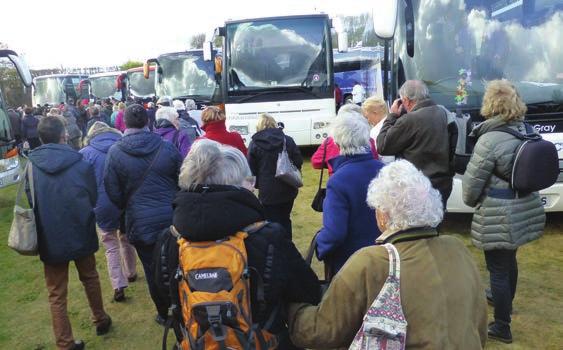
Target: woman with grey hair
<point x="168" y="127"/>
<point x="440" y="291"/>
<point x="215" y="202"/>
<point x="348" y="223"/>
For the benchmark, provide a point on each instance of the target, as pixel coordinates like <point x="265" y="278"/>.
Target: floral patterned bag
<point x="385" y="326"/>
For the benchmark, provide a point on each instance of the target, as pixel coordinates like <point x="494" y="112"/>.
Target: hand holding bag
<point x="317" y="203"/>
<point x="23" y="233"/>
<point x="286" y="171"/>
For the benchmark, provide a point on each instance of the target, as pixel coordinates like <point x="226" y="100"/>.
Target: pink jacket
<point x="332" y="151"/>
<point x="119" y="121"/>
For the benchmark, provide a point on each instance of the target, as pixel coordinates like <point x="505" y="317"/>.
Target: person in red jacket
<point x="213" y="120"/>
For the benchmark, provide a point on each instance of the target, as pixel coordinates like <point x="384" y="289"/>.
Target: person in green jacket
<point x="441" y="292"/>
<point x="504" y="219"/>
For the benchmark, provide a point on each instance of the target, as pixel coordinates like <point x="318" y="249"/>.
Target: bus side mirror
<point x="385" y="18"/>
<point x="21" y="66"/>
<point x="207" y="51"/>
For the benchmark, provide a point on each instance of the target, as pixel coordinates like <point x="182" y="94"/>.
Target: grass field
<point x="25" y="319"/>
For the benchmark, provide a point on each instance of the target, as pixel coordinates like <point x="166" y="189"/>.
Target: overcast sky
<point x="76" y="33"/>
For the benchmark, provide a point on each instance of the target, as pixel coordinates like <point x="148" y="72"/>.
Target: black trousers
<point x="145" y="253"/>
<point x="280" y="213"/>
<point x="503" y="270"/>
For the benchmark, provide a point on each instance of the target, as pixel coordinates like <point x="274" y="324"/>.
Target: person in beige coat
<point x="504" y="219"/>
<point x="441" y="290"/>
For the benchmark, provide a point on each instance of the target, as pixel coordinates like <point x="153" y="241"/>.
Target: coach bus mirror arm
<point x="147" y="67"/>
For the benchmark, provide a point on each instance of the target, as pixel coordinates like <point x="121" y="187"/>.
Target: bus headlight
<point x="243" y="130"/>
<point x="320" y="125"/>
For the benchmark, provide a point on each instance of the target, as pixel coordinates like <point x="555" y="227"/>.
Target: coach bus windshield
<point x="139" y="86"/>
<point x="186" y="74"/>
<point x="462" y="44"/>
<point x="278" y="53"/>
<point x="104" y="86"/>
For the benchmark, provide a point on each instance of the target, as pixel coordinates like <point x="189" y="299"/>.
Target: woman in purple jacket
<point x="168" y="127"/>
<point x="98" y="142"/>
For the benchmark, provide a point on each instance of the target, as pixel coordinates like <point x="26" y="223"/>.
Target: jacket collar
<point x="410" y="234"/>
<point x="422" y="104"/>
<point x="340" y="161"/>
<point x="493" y="123"/>
<point x="215" y="126"/>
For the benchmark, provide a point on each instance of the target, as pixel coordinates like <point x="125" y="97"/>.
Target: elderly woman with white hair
<point x="168" y="127"/>
<point x="328" y="149"/>
<point x="216" y="201"/>
<point x="438" y="301"/>
<point x="348" y="223"/>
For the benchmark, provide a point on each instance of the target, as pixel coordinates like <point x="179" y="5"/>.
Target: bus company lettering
<point x="544" y="128"/>
<point x="206" y="276"/>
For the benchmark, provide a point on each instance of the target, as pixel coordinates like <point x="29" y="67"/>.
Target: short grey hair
<point x="414" y="90"/>
<point x="349" y="107"/>
<point x="406" y="195"/>
<point x="168" y="113"/>
<point x="190" y="104"/>
<point x="211" y="163"/>
<point x="350" y="131"/>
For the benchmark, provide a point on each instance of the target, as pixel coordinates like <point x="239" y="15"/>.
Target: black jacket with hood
<point x="263" y="154"/>
<point x="208" y="213"/>
<point x="65" y="197"/>
<point x="148" y="210"/>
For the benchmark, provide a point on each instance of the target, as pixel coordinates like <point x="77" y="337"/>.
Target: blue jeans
<point x="503" y="270"/>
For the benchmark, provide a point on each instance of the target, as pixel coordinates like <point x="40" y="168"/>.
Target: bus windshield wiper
<point x="286" y="90"/>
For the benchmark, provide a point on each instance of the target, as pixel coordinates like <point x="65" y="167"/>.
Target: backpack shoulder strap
<point x="153" y="160"/>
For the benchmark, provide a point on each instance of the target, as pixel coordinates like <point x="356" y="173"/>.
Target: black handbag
<point x="317" y="203"/>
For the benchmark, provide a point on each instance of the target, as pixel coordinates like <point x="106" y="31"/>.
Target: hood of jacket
<point x="269" y="139"/>
<point x="492" y="123"/>
<point x="140" y="143"/>
<point x="103" y="141"/>
<point x="207" y="213"/>
<point x="53" y="158"/>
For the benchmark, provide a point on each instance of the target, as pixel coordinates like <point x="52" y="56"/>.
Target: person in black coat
<point x="29" y="128"/>
<point x="215" y="202"/>
<point x="275" y="195"/>
<point x="141" y="178"/>
<point x="65" y="194"/>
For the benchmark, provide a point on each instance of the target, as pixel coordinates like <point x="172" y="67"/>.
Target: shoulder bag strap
<point x="132" y="192"/>
<point x="25" y="180"/>
<point x="394" y="261"/>
<point x="323" y="166"/>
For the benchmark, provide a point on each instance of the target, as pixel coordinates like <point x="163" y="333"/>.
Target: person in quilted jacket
<point x="504" y="219"/>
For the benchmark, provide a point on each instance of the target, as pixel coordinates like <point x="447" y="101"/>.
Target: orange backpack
<point x="214" y="296"/>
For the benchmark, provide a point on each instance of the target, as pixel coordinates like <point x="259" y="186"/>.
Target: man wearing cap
<point x="140" y="177"/>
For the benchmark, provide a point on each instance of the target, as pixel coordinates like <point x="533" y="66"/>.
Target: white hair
<point x="406" y="196"/>
<point x="349" y="108"/>
<point x="350" y="132"/>
<point x="190" y="104"/>
<point x="211" y="163"/>
<point x="178" y="105"/>
<point x="168" y="113"/>
<point x="414" y="90"/>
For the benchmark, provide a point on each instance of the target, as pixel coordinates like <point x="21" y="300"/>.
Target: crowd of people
<point x="132" y="173"/>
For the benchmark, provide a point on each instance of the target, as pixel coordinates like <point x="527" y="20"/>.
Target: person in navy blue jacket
<point x="120" y="254"/>
<point x="65" y="195"/>
<point x="141" y="177"/>
<point x="348" y="223"/>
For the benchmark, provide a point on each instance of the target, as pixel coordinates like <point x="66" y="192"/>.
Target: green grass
<point x="25" y="319"/>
